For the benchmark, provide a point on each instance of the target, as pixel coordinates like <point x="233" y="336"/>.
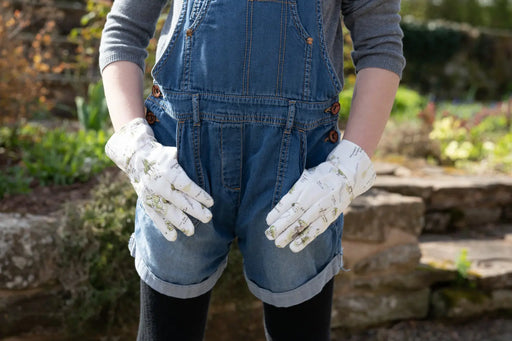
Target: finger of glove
<point x="284" y="205"/>
<point x="308" y="235"/>
<point x="183" y="183"/>
<point x="189" y="205"/>
<point x="164" y="226"/>
<point x="168" y="212"/>
<point x="284" y="221"/>
<point x="304" y="193"/>
<point x="179" y="219"/>
<point x="302" y="222"/>
<point x="290" y="233"/>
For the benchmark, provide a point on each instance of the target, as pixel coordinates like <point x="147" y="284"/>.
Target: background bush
<point x="96" y="267"/>
<point x="456" y="62"/>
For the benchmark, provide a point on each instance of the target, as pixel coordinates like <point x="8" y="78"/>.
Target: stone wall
<point x="396" y="268"/>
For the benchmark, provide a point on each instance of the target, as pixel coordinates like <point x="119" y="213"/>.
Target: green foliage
<point x="93" y="112"/>
<point x="14" y="180"/>
<point x="87" y="38"/>
<point x="61" y="157"/>
<point x="480" y="141"/>
<point x="492" y="14"/>
<point x="408" y="103"/>
<point x="49" y="156"/>
<point x="94" y="239"/>
<point x="462" y="263"/>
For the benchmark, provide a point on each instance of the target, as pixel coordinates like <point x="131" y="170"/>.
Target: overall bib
<point x="250" y="100"/>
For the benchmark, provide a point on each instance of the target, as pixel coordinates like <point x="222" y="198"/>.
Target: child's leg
<point x="308" y="321"/>
<point x="165" y="318"/>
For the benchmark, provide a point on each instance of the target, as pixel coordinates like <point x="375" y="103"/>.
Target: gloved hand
<point x="319" y="196"/>
<point x="165" y="190"/>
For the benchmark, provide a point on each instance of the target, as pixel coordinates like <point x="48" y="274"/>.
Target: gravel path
<point x="483" y="329"/>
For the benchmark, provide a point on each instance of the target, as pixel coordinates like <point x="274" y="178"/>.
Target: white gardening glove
<point x="165" y="190"/>
<point x="320" y="196"/>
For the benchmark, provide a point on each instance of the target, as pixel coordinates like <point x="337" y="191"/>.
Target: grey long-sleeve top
<point x="373" y="24"/>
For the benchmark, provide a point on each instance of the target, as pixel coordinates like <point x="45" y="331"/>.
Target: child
<point x="239" y="139"/>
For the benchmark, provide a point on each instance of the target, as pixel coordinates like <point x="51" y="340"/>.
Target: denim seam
<point x="284" y="100"/>
<point x="248" y="74"/>
<point x="273" y="122"/>
<point x="172" y="42"/>
<point x="224" y="184"/>
<point x="325" y="56"/>
<point x="244" y="71"/>
<point x="301" y="30"/>
<point x="185" y="83"/>
<point x="283" y="155"/>
<point x="200" y="16"/>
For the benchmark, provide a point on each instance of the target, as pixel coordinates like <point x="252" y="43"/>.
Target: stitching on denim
<point x="283" y="100"/>
<point x="186" y="63"/>
<point x="172" y="42"/>
<point x="307" y="71"/>
<point x="303" y="149"/>
<point x="179" y="134"/>
<point x="280" y="56"/>
<point x="283" y="155"/>
<point x="197" y="152"/>
<point x="325" y="57"/>
<point x="241" y="163"/>
<point x="222" y="177"/>
<point x="263" y="120"/>
<point x="303" y="33"/>
<point x="200" y="16"/>
<point x="250" y="53"/>
<point x="196" y="6"/>
<point x="244" y="90"/>
<point x="276" y="1"/>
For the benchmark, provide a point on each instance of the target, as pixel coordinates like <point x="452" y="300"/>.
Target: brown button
<point x="150" y="117"/>
<point x="156" y="91"/>
<point x="189" y="32"/>
<point x="335" y="108"/>
<point x="309" y="41"/>
<point x="333" y="136"/>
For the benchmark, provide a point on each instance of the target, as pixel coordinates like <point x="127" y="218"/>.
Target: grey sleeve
<point x="376" y="34"/>
<point x="129" y="27"/>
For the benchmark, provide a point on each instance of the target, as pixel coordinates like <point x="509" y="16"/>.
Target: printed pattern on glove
<point x="165" y="190"/>
<point x="320" y="196"/>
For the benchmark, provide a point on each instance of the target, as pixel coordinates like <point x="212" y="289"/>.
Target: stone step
<point x="488" y="287"/>
<point x="455" y="202"/>
<point x="371" y="216"/>
<point x="490" y="256"/>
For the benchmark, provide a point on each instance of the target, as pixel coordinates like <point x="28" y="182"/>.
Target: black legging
<point x="164" y="318"/>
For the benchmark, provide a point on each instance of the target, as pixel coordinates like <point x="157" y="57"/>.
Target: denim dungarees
<point x="250" y="100"/>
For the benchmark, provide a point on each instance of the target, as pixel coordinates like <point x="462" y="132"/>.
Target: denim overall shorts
<point x="247" y="93"/>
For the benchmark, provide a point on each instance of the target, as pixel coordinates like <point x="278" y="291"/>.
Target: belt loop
<point x="195" y="109"/>
<point x="291" y="117"/>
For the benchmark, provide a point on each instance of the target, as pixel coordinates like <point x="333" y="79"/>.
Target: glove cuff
<point x="352" y="160"/>
<point x="123" y="144"/>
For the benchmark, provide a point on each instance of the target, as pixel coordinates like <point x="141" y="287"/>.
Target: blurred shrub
<point x="96" y="267"/>
<point x="490" y="13"/>
<point x="480" y="142"/>
<point x="453" y="61"/>
<point x="87" y="39"/>
<point x="49" y="156"/>
<point x="22" y="90"/>
<point x="93" y="112"/>
<point x="408" y="103"/>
